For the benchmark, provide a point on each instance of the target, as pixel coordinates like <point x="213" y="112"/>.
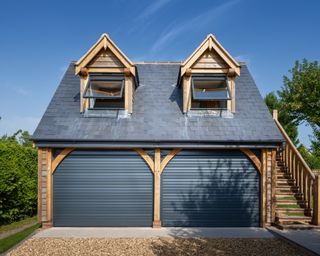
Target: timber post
<point x="316" y="201"/>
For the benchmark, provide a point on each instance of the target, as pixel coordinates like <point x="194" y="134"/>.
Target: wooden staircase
<point x="297" y="189"/>
<point x="291" y="208"/>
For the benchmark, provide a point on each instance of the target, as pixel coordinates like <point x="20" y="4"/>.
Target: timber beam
<point x="157" y="167"/>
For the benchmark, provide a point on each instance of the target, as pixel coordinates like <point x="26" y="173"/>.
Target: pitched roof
<point x="104" y="43"/>
<point x="210" y="43"/>
<point x="157" y="115"/>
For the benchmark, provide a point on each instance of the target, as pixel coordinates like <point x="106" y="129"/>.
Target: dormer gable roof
<point x="210" y="44"/>
<point x="104" y="44"/>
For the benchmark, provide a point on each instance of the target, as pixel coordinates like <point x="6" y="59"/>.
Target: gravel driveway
<point x="156" y="246"/>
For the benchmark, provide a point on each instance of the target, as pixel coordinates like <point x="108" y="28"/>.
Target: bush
<point x="18" y="181"/>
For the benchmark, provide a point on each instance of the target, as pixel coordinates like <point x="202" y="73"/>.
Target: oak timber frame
<point x="230" y="68"/>
<point x="47" y="165"/>
<point x="157" y="166"/>
<point x="126" y="67"/>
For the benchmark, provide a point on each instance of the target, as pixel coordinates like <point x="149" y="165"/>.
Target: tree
<point x="288" y="123"/>
<point x="18" y="177"/>
<point x="21" y="137"/>
<point x="300" y="95"/>
<point x="311" y="158"/>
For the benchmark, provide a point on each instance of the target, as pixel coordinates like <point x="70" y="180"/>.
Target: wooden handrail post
<point x="316" y="201"/>
<point x="275" y="114"/>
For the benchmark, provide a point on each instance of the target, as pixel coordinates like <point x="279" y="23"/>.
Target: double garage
<point x="198" y="188"/>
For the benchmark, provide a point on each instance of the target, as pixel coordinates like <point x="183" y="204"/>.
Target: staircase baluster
<point x="310" y="185"/>
<point x="293" y="166"/>
<point x="305" y="185"/>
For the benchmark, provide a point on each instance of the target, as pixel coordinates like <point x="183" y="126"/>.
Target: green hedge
<point x="18" y="181"/>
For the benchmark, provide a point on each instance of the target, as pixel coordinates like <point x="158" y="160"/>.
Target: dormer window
<point x="210" y="92"/>
<point x="107" y="80"/>
<point x="105" y="92"/>
<point x="208" y="79"/>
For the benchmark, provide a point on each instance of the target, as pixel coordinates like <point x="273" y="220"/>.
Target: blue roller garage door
<point x="102" y="188"/>
<point x="210" y="189"/>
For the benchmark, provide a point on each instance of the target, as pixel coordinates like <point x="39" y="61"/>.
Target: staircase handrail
<point x="293" y="147"/>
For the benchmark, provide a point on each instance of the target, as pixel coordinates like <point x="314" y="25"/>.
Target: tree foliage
<point x="18" y="178"/>
<point x="300" y="94"/>
<point x="298" y="101"/>
<point x="291" y="128"/>
<point x="311" y="158"/>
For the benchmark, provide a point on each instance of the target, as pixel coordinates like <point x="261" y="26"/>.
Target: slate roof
<point x="157" y="115"/>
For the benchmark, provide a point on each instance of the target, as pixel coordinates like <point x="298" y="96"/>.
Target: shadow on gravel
<point x="220" y="193"/>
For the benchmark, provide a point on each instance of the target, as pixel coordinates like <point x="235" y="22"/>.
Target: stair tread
<point x="288" y="193"/>
<point x="286" y="186"/>
<point x="290" y="202"/>
<point x="291" y="209"/>
<point x="292" y="218"/>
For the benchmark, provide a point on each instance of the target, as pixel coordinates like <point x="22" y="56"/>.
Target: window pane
<point x="210" y="90"/>
<point x="106" y="103"/>
<point x="104" y="89"/>
<point x="196" y="104"/>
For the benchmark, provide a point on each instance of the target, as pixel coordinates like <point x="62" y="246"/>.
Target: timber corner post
<point x="316" y="201"/>
<point x="263" y="201"/>
<point x="47" y="164"/>
<point x="44" y="187"/>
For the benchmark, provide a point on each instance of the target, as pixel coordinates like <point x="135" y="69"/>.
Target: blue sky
<point x="39" y="39"/>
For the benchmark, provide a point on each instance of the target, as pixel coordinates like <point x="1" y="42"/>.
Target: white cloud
<point x="22" y="91"/>
<point x="151" y="9"/>
<point x="174" y="30"/>
<point x="142" y="21"/>
<point x="9" y="125"/>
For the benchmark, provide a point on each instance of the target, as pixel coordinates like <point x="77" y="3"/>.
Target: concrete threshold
<point x="66" y="232"/>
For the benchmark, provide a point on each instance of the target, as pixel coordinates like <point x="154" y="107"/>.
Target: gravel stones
<point x="156" y="246"/>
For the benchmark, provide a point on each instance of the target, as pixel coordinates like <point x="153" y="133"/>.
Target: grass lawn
<point x="10" y="241"/>
<point x="17" y="224"/>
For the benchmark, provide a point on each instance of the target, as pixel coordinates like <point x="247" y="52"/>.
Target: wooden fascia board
<point x="195" y="52"/>
<point x="225" y="56"/>
<point x="194" y="57"/>
<point x="210" y="43"/>
<point x="89" y="55"/>
<point x="120" y="55"/>
<point x="104" y="42"/>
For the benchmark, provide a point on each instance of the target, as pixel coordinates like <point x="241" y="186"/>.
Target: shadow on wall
<point x="219" y="193"/>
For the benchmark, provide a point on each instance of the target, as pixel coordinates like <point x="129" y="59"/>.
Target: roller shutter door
<point x="102" y="188"/>
<point x="210" y="189"/>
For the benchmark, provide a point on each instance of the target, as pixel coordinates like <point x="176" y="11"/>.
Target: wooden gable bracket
<point x="253" y="158"/>
<point x="210" y="43"/>
<point x="149" y="161"/>
<point x="59" y="158"/>
<point x="104" y="42"/>
<point x="160" y="164"/>
<point x="157" y="166"/>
